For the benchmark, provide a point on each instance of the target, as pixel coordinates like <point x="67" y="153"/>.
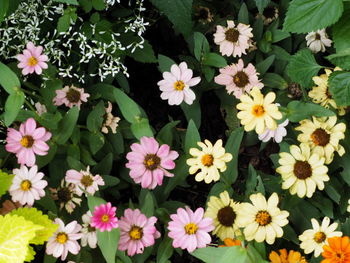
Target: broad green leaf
<point x="108" y="244"/>
<point x="243" y="15"/>
<point x="95" y="118"/>
<point x="4" y="5"/>
<point x="141" y="128"/>
<point x="66" y="126"/>
<point x="30" y="254"/>
<point x="147" y="204"/>
<point x="94" y="201"/>
<point x="13" y="105"/>
<point x="127" y="106"/>
<point x="302" y="67"/>
<point x="96" y="141"/>
<point x="264" y="65"/>
<point x="70" y="2"/>
<point x="341" y="59"/>
<point x="165" y="63"/>
<point x="165" y="250"/>
<point x="192" y="136"/>
<point x="86" y="5"/>
<point x="214" y="60"/>
<point x="274" y="80"/>
<point x="165" y="135"/>
<point x="5" y="182"/>
<point x="252" y="181"/>
<point x="303" y="16"/>
<point x="221" y="254"/>
<point x="105" y="165"/>
<point x="261" y="5"/>
<point x="98" y="4"/>
<point x="145" y="54"/>
<point x="38" y="218"/>
<point x="63" y="23"/>
<point x="341" y="32"/>
<point x="201" y="45"/>
<point x="16" y="234"/>
<point x="193" y="112"/>
<point x="8" y="79"/>
<point x="339" y="83"/>
<point x="178" y="12"/>
<point x="298" y="110"/>
<point x="181" y="172"/>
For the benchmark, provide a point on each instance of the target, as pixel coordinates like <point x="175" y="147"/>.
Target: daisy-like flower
<point x="27" y="142"/>
<point x="189" y="230"/>
<point x="203" y="14"/>
<point x="89" y="236"/>
<point x="320" y="93"/>
<point x="66" y="196"/>
<point x="338" y="250"/>
<point x="40" y="108"/>
<point x="210" y="160"/>
<point x="312" y="240"/>
<point x="136" y="232"/>
<point x="110" y="120"/>
<point x="262" y="220"/>
<point x="238" y="79"/>
<point x="224" y="212"/>
<point x="104" y="217"/>
<point x="27" y="185"/>
<point x="285" y="256"/>
<point x="148" y="162"/>
<point x="64" y="240"/>
<point x="32" y="60"/>
<point x="277" y="134"/>
<point x="323" y="136"/>
<point x="229" y="242"/>
<point x="269" y="14"/>
<point x="70" y="96"/>
<point x="175" y="85"/>
<point x="302" y="170"/>
<point x="233" y="40"/>
<point x="258" y="112"/>
<point x="84" y="181"/>
<point x="318" y="41"/>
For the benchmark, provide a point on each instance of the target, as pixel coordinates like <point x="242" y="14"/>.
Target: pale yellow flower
<point x="323" y="136"/>
<point x="224" y="212"/>
<point x="258" y="112"/>
<point x="210" y="160"/>
<point x="110" y="120"/>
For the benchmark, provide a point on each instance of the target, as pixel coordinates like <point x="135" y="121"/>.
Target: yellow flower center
<point x="241" y="79"/>
<point x="191" y="228"/>
<point x="73" y="95"/>
<point x="26" y="185"/>
<point x="105" y="218"/>
<point x="302" y="170"/>
<point x="61" y="238"/>
<point x="151" y="161"/>
<point x="136" y="233"/>
<point x="207" y="160"/>
<point x="226" y="216"/>
<point x="179" y="85"/>
<point x="319" y="237"/>
<point x="320" y="137"/>
<point x="263" y="218"/>
<point x="27" y="141"/>
<point x="232" y="35"/>
<point x="86" y="180"/>
<point x="32" y="61"/>
<point x="258" y="110"/>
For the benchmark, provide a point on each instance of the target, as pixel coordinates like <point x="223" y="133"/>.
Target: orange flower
<point x="285" y="257"/>
<point x="338" y="250"/>
<point x="229" y="242"/>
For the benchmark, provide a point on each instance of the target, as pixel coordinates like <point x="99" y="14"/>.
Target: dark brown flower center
<point x="86" y="180"/>
<point x="320" y="137"/>
<point x="317" y="36"/>
<point x="263" y="218"/>
<point x="64" y="194"/>
<point x="269" y="12"/>
<point x="203" y="13"/>
<point x="151" y="161"/>
<point x="232" y="35"/>
<point x="302" y="170"/>
<point x="91" y="229"/>
<point x="319" y="237"/>
<point x="226" y="216"/>
<point x="27" y="141"/>
<point x="241" y="79"/>
<point x="73" y="95"/>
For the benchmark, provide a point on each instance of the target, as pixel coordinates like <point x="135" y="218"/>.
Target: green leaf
<point x="5" y="182"/>
<point x="298" y="110"/>
<point x="70" y="2"/>
<point x="201" y="45"/>
<point x="99" y="5"/>
<point x="165" y="250"/>
<point x="215" y="60"/>
<point x="181" y="171"/>
<point x="141" y="128"/>
<point x="341" y="32"/>
<point x="341" y="59"/>
<point x="63" y="23"/>
<point x="4" y="5"/>
<point x="38" y="218"/>
<point x="66" y="125"/>
<point x="13" y="105"/>
<point x="192" y="136"/>
<point x="264" y="65"/>
<point x="303" y="16"/>
<point x="105" y="165"/>
<point x="243" y="15"/>
<point x="127" y="106"/>
<point x="252" y="181"/>
<point x="178" y="12"/>
<point x="274" y="80"/>
<point x="96" y="141"/>
<point x="86" y="5"/>
<point x="302" y="67"/>
<point x="9" y="80"/>
<point x="147" y="204"/>
<point x="339" y="83"/>
<point x="221" y="254"/>
<point x="165" y="135"/>
<point x="145" y="54"/>
<point x="165" y="63"/>
<point x="94" y="201"/>
<point x="261" y="5"/>
<point x="108" y="244"/>
<point x="193" y="112"/>
<point x="95" y="118"/>
<point x="232" y="146"/>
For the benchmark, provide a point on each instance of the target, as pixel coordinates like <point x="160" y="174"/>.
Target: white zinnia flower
<point x="277" y="134"/>
<point x="40" y="108"/>
<point x="27" y="185"/>
<point x="89" y="232"/>
<point x="318" y="41"/>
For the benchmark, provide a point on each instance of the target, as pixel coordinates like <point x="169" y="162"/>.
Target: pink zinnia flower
<point x="32" y="60"/>
<point x="148" y="162"/>
<point x="64" y="240"/>
<point x="84" y="180"/>
<point x="104" y="217"/>
<point x="136" y="231"/>
<point x="27" y="142"/>
<point x="189" y="229"/>
<point x="70" y="96"/>
<point x="176" y="84"/>
<point x="233" y="40"/>
<point x="238" y="79"/>
<point x="27" y="185"/>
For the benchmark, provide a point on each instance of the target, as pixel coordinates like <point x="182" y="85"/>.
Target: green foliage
<point x="298" y="110"/>
<point x="145" y="55"/>
<point x="4" y="5"/>
<point x="5" y="182"/>
<point x="201" y="45"/>
<point x="9" y="81"/>
<point x="70" y="2"/>
<point x="13" y="105"/>
<point x="66" y="126"/>
<point x="221" y="254"/>
<point x="339" y="83"/>
<point x="192" y="136"/>
<point x="261" y="5"/>
<point x="214" y="60"/>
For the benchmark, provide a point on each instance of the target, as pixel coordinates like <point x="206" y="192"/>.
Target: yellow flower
<point x="320" y="93"/>
<point x="286" y="257"/>
<point x="209" y="160"/>
<point x="312" y="240"/>
<point x="323" y="136"/>
<point x="302" y="170"/>
<point x="258" y="112"/>
<point x="223" y="211"/>
<point x="262" y="220"/>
